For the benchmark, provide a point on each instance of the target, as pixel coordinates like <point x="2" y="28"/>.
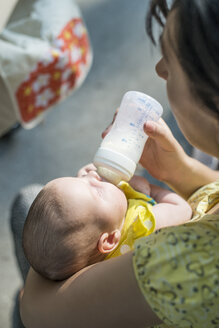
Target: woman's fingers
<point x="162" y="153"/>
<point x="158" y="131"/>
<point x="161" y="133"/>
<point x="106" y="131"/>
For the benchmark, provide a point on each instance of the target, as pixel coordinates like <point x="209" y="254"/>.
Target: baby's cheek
<point x="124" y="205"/>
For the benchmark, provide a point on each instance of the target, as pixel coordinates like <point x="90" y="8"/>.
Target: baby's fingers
<point x="86" y="169"/>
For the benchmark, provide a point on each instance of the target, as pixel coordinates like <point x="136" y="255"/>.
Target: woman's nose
<point x="161" y="69"/>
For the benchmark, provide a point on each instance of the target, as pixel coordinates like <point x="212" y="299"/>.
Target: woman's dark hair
<point x="196" y="43"/>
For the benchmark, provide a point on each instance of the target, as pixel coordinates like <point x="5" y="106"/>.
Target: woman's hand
<point x="162" y="153"/>
<point x="163" y="157"/>
<point x="165" y="160"/>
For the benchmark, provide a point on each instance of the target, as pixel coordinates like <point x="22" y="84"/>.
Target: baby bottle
<point x="121" y="149"/>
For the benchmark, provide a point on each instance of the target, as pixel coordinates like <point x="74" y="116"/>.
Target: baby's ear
<point x="109" y="241"/>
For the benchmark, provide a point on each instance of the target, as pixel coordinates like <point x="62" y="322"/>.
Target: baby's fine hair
<point x="55" y="247"/>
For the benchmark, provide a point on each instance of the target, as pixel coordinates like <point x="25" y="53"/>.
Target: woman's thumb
<point x="161" y="133"/>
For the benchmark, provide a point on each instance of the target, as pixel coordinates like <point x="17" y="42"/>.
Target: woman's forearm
<point x="191" y="175"/>
<point x="99" y="296"/>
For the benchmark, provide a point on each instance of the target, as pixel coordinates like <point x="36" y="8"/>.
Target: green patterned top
<point x="177" y="269"/>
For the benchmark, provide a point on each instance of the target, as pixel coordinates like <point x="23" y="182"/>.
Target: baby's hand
<point x="86" y="169"/>
<point x="140" y="184"/>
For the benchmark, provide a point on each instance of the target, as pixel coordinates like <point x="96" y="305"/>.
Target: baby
<point x="75" y="222"/>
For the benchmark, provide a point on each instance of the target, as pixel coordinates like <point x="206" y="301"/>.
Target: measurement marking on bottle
<point x="141" y="100"/>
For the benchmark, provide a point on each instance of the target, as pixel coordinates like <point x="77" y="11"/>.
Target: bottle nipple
<point x="111" y="176"/>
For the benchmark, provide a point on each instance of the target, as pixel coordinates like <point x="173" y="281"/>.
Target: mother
<point x="172" y="276"/>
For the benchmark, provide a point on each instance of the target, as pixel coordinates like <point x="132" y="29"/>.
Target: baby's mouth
<point x="104" y="180"/>
<point x="101" y="178"/>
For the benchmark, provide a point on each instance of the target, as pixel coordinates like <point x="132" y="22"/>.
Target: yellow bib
<point x="139" y="220"/>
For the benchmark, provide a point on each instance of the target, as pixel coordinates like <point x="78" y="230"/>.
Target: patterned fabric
<point x="139" y="220"/>
<point x="204" y="199"/>
<point x="57" y="74"/>
<point x="177" y="268"/>
<point x="44" y="57"/>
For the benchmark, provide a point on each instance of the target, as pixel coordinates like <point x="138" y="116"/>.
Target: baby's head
<point x="73" y="222"/>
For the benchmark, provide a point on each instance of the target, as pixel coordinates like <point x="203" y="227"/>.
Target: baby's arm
<point x="171" y="208"/>
<point x="140" y="184"/>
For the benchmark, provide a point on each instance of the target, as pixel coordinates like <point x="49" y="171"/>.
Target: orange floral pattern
<point x="58" y="74"/>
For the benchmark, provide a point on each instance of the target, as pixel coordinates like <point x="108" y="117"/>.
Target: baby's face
<point x="89" y="196"/>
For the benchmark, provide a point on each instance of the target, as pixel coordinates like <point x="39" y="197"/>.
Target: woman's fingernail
<point x="149" y="126"/>
<point x="104" y="133"/>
